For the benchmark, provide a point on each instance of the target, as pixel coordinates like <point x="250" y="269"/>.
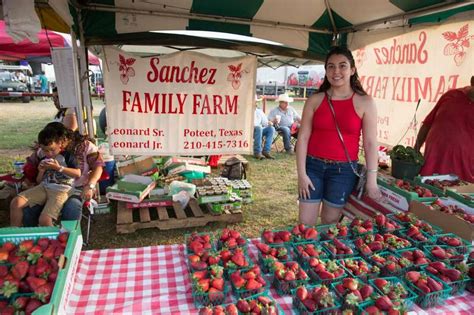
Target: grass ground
<point x="274" y="182"/>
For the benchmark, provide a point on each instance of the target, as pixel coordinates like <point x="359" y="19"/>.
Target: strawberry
<point x="384" y="303"/>
<point x="35" y="283"/>
<point x="243" y="306"/>
<point x="43" y="243"/>
<point x="8" y="246"/>
<point x="217" y="283"/>
<point x="413" y="276"/>
<point x="264" y="248"/>
<point x="238" y="259"/>
<point x="253" y="285"/>
<point x="290" y="276"/>
<point x="231" y="309"/>
<point x="63" y="237"/>
<point x="350" y="283"/>
<point x="8" y="310"/>
<point x="311" y="233"/>
<point x="366" y="291"/>
<point x="25" y="246"/>
<point x="302" y="293"/>
<point x="20" y="270"/>
<point x="206" y="311"/>
<point x="452" y="274"/>
<point x="237" y="280"/>
<point x="380" y="283"/>
<point x="3" y="271"/>
<point x="32" y="305"/>
<point x="434" y="285"/>
<point x="21" y="302"/>
<point x="380" y="220"/>
<point x="439" y="253"/>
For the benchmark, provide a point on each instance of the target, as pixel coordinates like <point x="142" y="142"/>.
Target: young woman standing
<point x="325" y="175"/>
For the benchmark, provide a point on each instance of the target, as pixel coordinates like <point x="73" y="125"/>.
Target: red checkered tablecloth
<point x="154" y="280"/>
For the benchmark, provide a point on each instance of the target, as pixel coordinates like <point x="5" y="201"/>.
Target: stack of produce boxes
<point x="37" y="268"/>
<point x="382" y="265"/>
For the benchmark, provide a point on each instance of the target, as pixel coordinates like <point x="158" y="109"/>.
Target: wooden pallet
<point x="130" y="220"/>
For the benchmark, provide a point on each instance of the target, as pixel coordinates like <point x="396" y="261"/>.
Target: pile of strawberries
<point x="209" y="286"/>
<point x="248" y="282"/>
<point x="340" y="230"/>
<point x="338" y="249"/>
<point x="415" y="234"/>
<point x="395" y="242"/>
<point x="391" y="264"/>
<point x="442" y="184"/>
<point x="447" y="273"/>
<point x="408" y="217"/>
<point x="268" y="254"/>
<point x="359" y="268"/>
<point x="452" y="240"/>
<point x="203" y="260"/>
<point x="470" y="273"/>
<point x="302" y="232"/>
<point x="318" y="298"/>
<point x="30" y="267"/>
<point x="370" y="243"/>
<point x="230" y="239"/>
<point x="384" y="305"/>
<point x="452" y="209"/>
<point x="353" y="292"/>
<point x="259" y="305"/>
<point x="288" y="276"/>
<point x="392" y="287"/>
<point x="306" y="251"/>
<point x="359" y="227"/>
<point x="423" y="283"/>
<point x="422" y="192"/>
<point x="384" y="224"/>
<point x="276" y="237"/>
<point x="198" y="243"/>
<point x="416" y="256"/>
<point x="325" y="270"/>
<point x="444" y="253"/>
<point x="235" y="259"/>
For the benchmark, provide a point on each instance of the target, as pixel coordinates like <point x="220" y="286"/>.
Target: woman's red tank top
<point x="324" y="141"/>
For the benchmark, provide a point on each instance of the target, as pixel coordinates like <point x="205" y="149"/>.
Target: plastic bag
<point x="177" y="186"/>
<point x="182" y="197"/>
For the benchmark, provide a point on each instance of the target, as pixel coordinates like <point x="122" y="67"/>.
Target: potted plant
<point x="406" y="162"/>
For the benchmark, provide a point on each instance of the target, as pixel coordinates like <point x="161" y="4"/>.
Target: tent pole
<point x="79" y="109"/>
<point x="84" y="80"/>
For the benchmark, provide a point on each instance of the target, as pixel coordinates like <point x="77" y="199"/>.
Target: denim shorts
<point x="333" y="181"/>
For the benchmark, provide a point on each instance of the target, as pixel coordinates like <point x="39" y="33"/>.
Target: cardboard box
<point x="400" y="198"/>
<point x="186" y="167"/>
<point x="438" y="191"/>
<point x="161" y="201"/>
<point x="449" y="223"/>
<point x="177" y="160"/>
<point x="458" y="192"/>
<point x="142" y="165"/>
<point x="131" y="188"/>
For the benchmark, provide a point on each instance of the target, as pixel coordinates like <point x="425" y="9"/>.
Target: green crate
<point x="340" y="256"/>
<point x="462" y="249"/>
<point x="428" y="300"/>
<point x="409" y="298"/>
<point x="342" y="297"/>
<point x="300" y="308"/>
<point x="363" y="277"/>
<point x="64" y="280"/>
<point x="457" y="287"/>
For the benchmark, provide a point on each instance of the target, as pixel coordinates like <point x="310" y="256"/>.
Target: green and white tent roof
<point x="297" y="28"/>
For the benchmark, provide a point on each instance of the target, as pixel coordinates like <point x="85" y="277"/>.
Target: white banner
<point x="420" y="65"/>
<point x="184" y="103"/>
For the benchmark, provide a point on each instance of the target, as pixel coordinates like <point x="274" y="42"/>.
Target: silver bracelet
<point x="372" y="171"/>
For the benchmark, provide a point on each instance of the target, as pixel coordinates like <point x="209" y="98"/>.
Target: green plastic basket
<point x="284" y="287"/>
<point x="411" y="249"/>
<point x="363" y="277"/>
<point x="72" y="250"/>
<point x="409" y="299"/>
<point x="457" y="287"/>
<point x="462" y="249"/>
<point x="243" y="293"/>
<point x="384" y="272"/>
<point x="303" y="260"/>
<point x="415" y="242"/>
<point x="323" y="232"/>
<point x="340" y="256"/>
<point x="266" y="264"/>
<point x="300" y="308"/>
<point x="428" y="300"/>
<point x="342" y="297"/>
<point x="317" y="279"/>
<point x="188" y="236"/>
<point x="451" y="261"/>
<point x="204" y="298"/>
<point x="274" y="231"/>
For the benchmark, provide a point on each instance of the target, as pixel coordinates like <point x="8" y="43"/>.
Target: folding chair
<point x="277" y="143"/>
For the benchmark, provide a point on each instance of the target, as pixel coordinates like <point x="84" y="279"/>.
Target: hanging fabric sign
<point x="184" y="103"/>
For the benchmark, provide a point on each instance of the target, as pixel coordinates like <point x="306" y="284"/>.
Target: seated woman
<point x="91" y="164"/>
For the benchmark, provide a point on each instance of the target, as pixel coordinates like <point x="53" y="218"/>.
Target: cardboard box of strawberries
<point x="37" y="268"/>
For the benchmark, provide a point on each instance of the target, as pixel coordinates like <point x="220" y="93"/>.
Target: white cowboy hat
<point x="284" y="98"/>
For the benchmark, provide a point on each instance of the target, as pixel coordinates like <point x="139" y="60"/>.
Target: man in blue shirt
<point x="44" y="84"/>
<point x="262" y="129"/>
<point x="284" y="117"/>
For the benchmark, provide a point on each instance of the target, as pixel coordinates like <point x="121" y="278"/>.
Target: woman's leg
<point x="308" y="212"/>
<point x="16" y="210"/>
<point x="45" y="219"/>
<point x="330" y="215"/>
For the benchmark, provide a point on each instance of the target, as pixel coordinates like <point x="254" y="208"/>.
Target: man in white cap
<point x="283" y="117"/>
<point x="262" y="129"/>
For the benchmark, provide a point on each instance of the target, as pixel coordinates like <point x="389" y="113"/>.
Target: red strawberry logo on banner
<point x="235" y="75"/>
<point x="360" y="57"/>
<point x="458" y="44"/>
<point x="126" y="69"/>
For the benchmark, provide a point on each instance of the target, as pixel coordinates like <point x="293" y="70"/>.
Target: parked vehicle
<point x="10" y="83"/>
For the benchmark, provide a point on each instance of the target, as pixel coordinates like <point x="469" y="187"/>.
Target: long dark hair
<point x="354" y="80"/>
